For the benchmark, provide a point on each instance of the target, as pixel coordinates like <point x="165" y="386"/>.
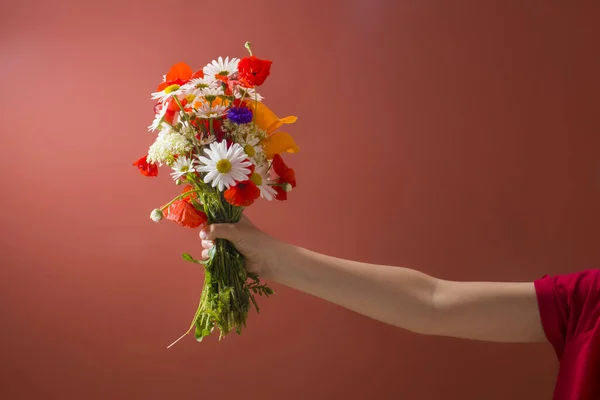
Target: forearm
<point x="394" y="295"/>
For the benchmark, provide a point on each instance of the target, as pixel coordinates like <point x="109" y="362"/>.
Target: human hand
<point x="261" y="251"/>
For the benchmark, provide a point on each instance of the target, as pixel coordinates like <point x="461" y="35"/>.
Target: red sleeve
<point x="569" y="305"/>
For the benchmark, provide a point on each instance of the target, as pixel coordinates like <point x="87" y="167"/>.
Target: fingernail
<point x="203" y="234"/>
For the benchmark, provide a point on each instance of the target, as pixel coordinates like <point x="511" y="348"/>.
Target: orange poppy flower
<point x="179" y="74"/>
<point x="275" y="142"/>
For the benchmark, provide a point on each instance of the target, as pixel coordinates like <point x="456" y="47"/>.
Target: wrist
<point x="279" y="260"/>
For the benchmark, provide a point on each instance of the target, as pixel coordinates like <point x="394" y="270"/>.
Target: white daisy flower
<point x="252" y="148"/>
<point x="206" y="111"/>
<point x="225" y="167"/>
<point x="260" y="177"/>
<point x="197" y="85"/>
<point x="207" y="140"/>
<point x="181" y="167"/>
<point x="158" y="118"/>
<point x="221" y="67"/>
<point x="248" y="94"/>
<point x="168" y="144"/>
<point x="166" y="93"/>
<point x="211" y="93"/>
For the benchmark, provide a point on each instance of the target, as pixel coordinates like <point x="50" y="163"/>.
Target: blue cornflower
<point x="239" y="115"/>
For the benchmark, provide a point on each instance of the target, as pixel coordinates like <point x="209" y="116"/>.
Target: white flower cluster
<point x="168" y="144"/>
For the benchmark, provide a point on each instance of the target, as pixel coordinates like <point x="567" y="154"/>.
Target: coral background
<point x="458" y="138"/>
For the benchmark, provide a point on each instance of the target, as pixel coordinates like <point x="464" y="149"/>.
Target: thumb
<point x="219" y="231"/>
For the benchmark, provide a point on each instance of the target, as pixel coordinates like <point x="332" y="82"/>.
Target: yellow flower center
<point x="190" y="97"/>
<point x="256" y="179"/>
<point x="224" y="166"/>
<point x="171" y="89"/>
<point x="249" y="150"/>
<point x="185" y="168"/>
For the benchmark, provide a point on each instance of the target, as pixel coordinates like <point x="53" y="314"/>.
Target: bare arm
<point x="505" y="312"/>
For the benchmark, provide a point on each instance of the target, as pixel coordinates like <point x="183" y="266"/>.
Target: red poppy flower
<point x="286" y="174"/>
<point x="253" y="71"/>
<point x="230" y="85"/>
<point x="217" y="122"/>
<point x="172" y="109"/>
<point x="169" y="117"/>
<point x="222" y="78"/>
<point x="146" y="168"/>
<point x="243" y="194"/>
<point x="173" y="106"/>
<point x="198" y="74"/>
<point x="239" y="103"/>
<point x="185" y="214"/>
<point x="280" y="194"/>
<point x="191" y="195"/>
<point x="166" y="84"/>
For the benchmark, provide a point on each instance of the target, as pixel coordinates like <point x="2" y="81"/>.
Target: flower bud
<point x="156" y="215"/>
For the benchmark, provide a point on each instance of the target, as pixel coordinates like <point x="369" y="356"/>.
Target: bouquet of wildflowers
<point x="224" y="147"/>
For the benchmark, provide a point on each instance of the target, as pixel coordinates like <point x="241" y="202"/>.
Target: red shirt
<point x="570" y="312"/>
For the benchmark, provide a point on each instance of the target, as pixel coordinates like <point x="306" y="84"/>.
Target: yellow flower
<point x="276" y="142"/>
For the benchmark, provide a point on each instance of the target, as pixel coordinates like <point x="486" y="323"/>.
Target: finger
<point x="223" y="231"/>
<point x="207" y="244"/>
<point x="205" y="254"/>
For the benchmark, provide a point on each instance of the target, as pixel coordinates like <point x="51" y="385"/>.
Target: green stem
<point x="189" y="121"/>
<point x="255" y="106"/>
<point x="179" y="197"/>
<point x="185" y="116"/>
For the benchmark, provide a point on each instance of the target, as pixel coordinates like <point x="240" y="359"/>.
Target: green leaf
<point x="255" y="304"/>
<point x="188" y="257"/>
<point x="225" y="296"/>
